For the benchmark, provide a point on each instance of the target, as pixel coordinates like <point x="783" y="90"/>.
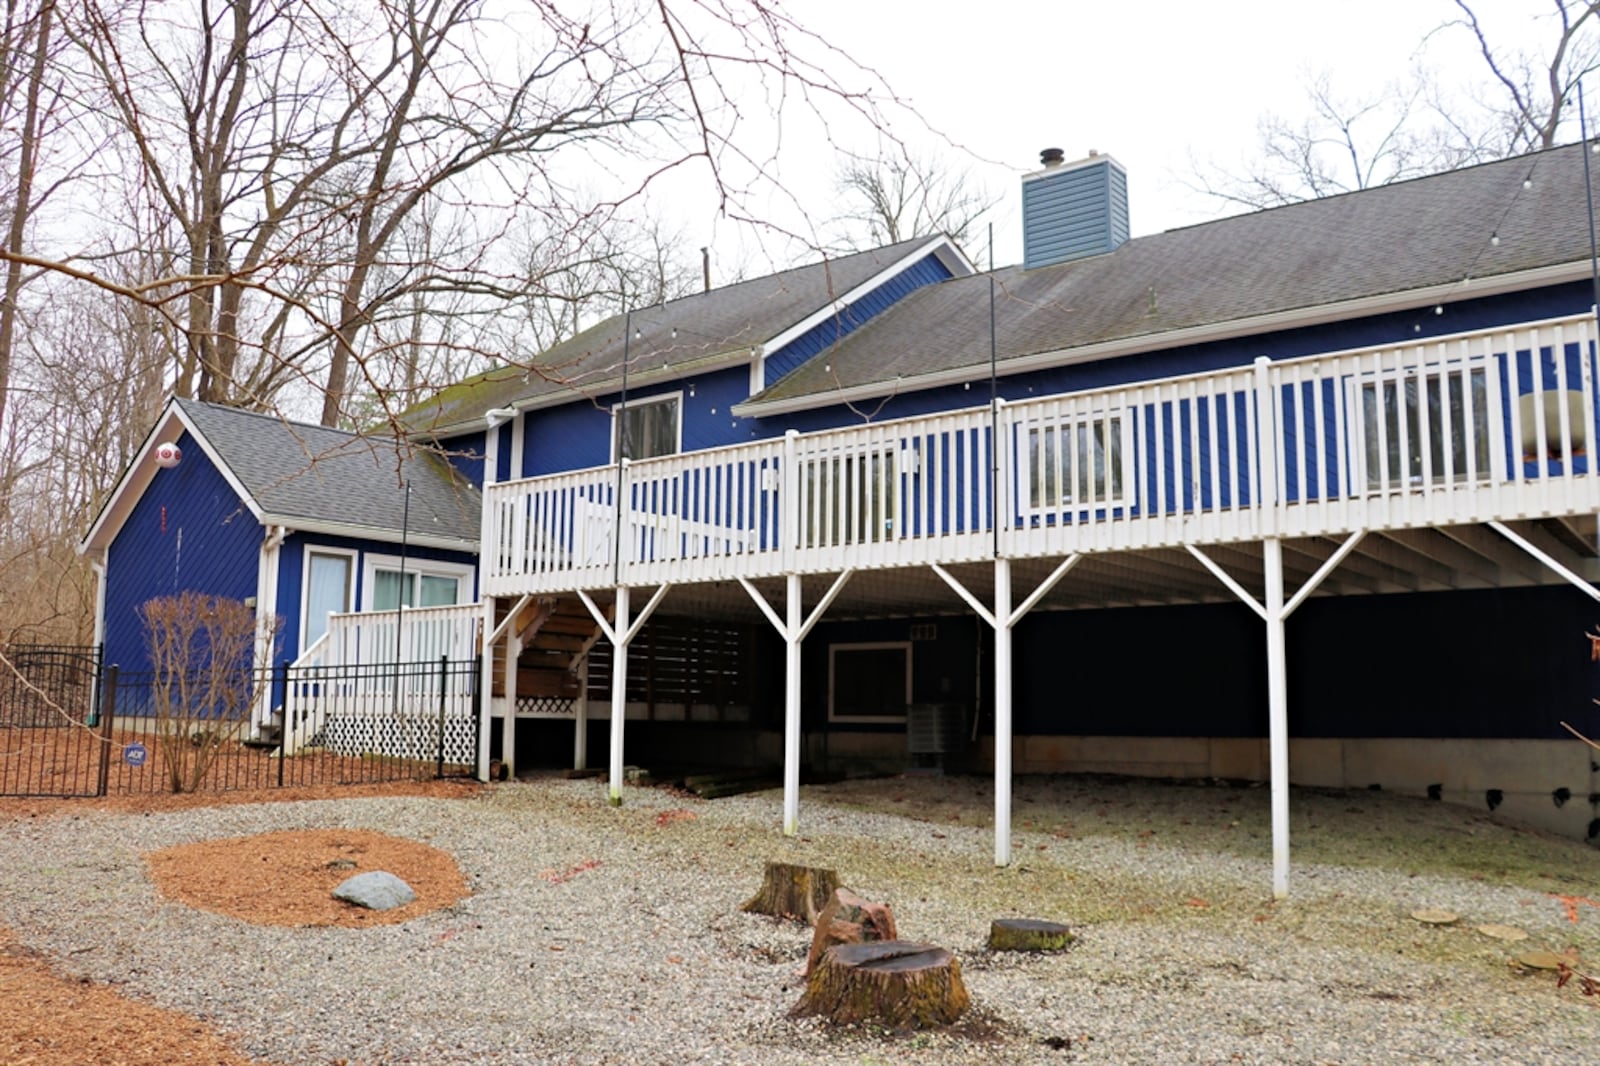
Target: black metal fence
<point x="70" y="728"/>
<point x="51" y="735"/>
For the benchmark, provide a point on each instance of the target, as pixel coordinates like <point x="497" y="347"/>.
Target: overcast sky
<point x="1157" y="84"/>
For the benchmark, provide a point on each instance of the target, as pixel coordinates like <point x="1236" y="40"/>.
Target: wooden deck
<point x="1487" y="426"/>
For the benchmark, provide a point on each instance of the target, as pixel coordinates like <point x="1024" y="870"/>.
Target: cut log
<point x="896" y="983"/>
<point x="1027" y="934"/>
<point x="789" y="891"/>
<point x="849" y="919"/>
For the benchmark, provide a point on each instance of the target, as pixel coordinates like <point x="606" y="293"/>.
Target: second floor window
<point x="647" y="428"/>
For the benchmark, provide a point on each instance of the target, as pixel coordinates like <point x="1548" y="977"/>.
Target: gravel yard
<point x="594" y="934"/>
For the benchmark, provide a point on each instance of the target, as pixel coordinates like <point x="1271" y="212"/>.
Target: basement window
<point x="869" y="682"/>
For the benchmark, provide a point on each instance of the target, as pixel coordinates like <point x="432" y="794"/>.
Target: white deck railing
<point x="373" y="683"/>
<point x="1494" y="424"/>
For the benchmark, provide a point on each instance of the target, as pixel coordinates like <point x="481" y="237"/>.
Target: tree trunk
<point x="891" y="982"/>
<point x="1027" y="934"/>
<point x="849" y="919"/>
<point x="788" y="891"/>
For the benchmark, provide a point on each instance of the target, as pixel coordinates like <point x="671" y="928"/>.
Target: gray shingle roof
<point x="315" y="474"/>
<point x="1433" y="231"/>
<point x="711" y="327"/>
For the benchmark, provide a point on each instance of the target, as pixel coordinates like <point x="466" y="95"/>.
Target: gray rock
<point x="376" y="890"/>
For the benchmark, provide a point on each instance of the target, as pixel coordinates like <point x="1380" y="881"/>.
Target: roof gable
<point x="309" y="477"/>
<point x="726" y="326"/>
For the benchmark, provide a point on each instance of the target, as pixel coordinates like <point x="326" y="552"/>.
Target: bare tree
<point x="898" y="196"/>
<point x="1417" y="127"/>
<point x="1538" y="89"/>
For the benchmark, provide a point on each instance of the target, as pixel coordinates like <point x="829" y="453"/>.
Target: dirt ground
<point x="282" y="878"/>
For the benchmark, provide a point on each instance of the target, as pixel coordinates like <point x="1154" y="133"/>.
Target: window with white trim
<point x="869" y="682"/>
<point x="1070" y="460"/>
<point x="327" y="587"/>
<point x="647" y="428"/>
<point x="1428" y="423"/>
<point x="389" y="583"/>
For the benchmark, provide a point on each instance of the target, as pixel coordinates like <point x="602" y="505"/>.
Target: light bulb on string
<point x="1494" y="239"/>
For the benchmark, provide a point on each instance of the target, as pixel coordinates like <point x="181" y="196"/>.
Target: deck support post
<point x="1274" y="610"/>
<point x="1277" y="713"/>
<point x="619" y="693"/>
<point x="1002" y="711"/>
<point x="1003" y="619"/>
<point x="793" y="629"/>
<point x="508" y="722"/>
<point x="620" y="631"/>
<point x="791" y="706"/>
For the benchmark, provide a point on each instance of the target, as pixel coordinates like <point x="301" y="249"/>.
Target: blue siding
<point x="927" y="271"/>
<point x="291" y="575"/>
<point x="578" y="435"/>
<point x="1509" y="680"/>
<point x="189" y="530"/>
<point x="1074" y="212"/>
<point x="466" y="454"/>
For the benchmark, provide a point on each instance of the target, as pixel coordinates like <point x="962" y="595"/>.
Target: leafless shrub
<point x="200" y="654"/>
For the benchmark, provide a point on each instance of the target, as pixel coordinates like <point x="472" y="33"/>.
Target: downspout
<point x="267" y="570"/>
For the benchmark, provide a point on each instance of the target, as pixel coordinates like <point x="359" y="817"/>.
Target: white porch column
<point x="619" y="692"/>
<point x="508" y="723"/>
<point x="793" y="630"/>
<point x="1277" y="713"/>
<point x="1003" y="619"/>
<point x="791" y="708"/>
<point x="486" y="689"/>
<point x="620" y="630"/>
<point x="1002" y="711"/>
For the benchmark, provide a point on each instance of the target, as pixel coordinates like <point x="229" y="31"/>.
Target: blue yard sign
<point x="134" y="754"/>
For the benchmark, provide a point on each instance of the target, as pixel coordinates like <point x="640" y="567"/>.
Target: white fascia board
<point x="373" y="533"/>
<point x="1275" y="322"/>
<point x="131" y="486"/>
<point x="948" y="254"/>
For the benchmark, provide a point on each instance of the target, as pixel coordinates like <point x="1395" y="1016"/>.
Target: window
<point x="417" y="583"/>
<point x="1073" y="460"/>
<point x="328" y="589"/>
<point x="1401" y="451"/>
<point x="869" y="682"/>
<point x="647" y="428"/>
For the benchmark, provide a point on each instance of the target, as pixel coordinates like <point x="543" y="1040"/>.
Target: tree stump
<point x="895" y="983"/>
<point x="1027" y="934"/>
<point x="849" y="919"/>
<point x="789" y="891"/>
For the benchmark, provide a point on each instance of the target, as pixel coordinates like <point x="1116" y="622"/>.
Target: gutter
<point x="1155" y="342"/>
<point x="340" y="529"/>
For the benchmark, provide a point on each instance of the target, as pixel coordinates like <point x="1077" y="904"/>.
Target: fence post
<point x="282" y="684"/>
<point x="477" y="707"/>
<point x="106" y="700"/>
<point x="444" y="687"/>
<point x="97" y="657"/>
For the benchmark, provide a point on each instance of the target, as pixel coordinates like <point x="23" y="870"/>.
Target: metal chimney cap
<point x="1052" y="157"/>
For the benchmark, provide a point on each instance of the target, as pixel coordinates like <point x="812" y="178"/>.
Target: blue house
<point x="1065" y="511"/>
<point x="301" y="522"/>
<point x="1302" y="496"/>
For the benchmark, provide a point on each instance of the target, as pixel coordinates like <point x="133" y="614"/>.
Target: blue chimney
<point x="1073" y="210"/>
